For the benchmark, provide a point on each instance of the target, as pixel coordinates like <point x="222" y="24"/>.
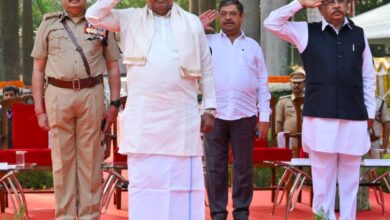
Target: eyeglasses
<point x="332" y="2"/>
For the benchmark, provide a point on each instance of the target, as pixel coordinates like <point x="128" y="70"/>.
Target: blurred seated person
<point x="379" y="134"/>
<point x="9" y="92"/>
<point x="285" y="111"/>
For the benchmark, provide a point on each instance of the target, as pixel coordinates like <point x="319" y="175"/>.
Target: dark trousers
<point x="239" y="133"/>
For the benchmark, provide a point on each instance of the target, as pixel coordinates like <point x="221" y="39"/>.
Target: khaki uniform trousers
<point x="75" y="120"/>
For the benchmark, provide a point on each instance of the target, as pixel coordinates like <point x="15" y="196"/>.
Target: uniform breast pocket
<point x="91" y="44"/>
<point x="290" y="111"/>
<point x="57" y="42"/>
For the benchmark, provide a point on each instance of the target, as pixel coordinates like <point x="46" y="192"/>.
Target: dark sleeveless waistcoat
<point x="333" y="65"/>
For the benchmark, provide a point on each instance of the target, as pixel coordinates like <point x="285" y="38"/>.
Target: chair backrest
<point x="8" y="104"/>
<point x="26" y="133"/>
<point x="116" y="156"/>
<point x="273" y="102"/>
<point x="298" y="105"/>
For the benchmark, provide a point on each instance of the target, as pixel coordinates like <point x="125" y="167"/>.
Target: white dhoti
<point x="165" y="187"/>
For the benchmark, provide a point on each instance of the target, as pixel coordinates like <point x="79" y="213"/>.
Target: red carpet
<point x="41" y="207"/>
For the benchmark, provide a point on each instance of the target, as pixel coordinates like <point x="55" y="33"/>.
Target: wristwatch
<point x="210" y="111"/>
<point x="116" y="103"/>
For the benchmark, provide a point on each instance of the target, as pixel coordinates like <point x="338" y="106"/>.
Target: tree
<point x="251" y="23"/>
<point x="366" y="5"/>
<point x="9" y="40"/>
<point x="275" y="49"/>
<point x="204" y="5"/>
<point x="27" y="43"/>
<point x="194" y="6"/>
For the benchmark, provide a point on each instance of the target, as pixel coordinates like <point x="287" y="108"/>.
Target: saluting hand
<point x="311" y="3"/>
<point x="207" y="18"/>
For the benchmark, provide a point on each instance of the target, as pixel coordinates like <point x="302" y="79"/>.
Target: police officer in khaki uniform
<point x="380" y="131"/>
<point x="285" y="110"/>
<point x="73" y="106"/>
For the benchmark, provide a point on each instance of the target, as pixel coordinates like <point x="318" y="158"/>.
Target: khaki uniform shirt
<point x="62" y="60"/>
<point x="381" y="116"/>
<point x="285" y="113"/>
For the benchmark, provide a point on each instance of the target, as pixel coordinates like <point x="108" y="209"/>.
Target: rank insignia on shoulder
<point x="96" y="33"/>
<point x="52" y="15"/>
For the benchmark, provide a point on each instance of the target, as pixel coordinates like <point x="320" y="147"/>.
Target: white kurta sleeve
<point x="369" y="81"/>
<point x="293" y="32"/>
<point x="103" y="15"/>
<point x="263" y="94"/>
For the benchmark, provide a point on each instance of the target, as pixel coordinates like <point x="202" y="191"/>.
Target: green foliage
<point x="322" y="215"/>
<point x="279" y="94"/>
<point x="36" y="179"/>
<point x="19" y="215"/>
<point x="380" y="171"/>
<point x="41" y="7"/>
<point x="366" y="5"/>
<point x="262" y="176"/>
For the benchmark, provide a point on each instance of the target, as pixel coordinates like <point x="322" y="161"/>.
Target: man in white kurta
<point x="167" y="58"/>
<point x="336" y="137"/>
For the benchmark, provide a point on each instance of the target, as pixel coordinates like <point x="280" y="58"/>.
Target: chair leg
<point x="290" y="196"/>
<point x="2" y="200"/>
<point x="111" y="186"/>
<point x="300" y="192"/>
<point x="118" y="197"/>
<point x="311" y="196"/>
<point x="273" y="182"/>
<point x="15" y="190"/>
<point x="285" y="180"/>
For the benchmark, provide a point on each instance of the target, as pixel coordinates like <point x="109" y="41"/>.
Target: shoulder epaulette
<point x="52" y="15"/>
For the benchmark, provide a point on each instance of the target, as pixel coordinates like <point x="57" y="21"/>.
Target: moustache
<point x="228" y="22"/>
<point x="337" y="11"/>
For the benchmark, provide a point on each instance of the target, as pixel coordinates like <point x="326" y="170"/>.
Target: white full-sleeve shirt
<point x="241" y="78"/>
<point x="321" y="134"/>
<point x="162" y="114"/>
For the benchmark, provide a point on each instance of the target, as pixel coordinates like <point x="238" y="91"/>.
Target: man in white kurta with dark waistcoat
<point x="168" y="58"/>
<point x="339" y="98"/>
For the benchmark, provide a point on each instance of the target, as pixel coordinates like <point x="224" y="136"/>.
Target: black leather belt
<point x="76" y="84"/>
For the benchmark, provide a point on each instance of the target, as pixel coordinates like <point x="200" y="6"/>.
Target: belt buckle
<point x="76" y="84"/>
